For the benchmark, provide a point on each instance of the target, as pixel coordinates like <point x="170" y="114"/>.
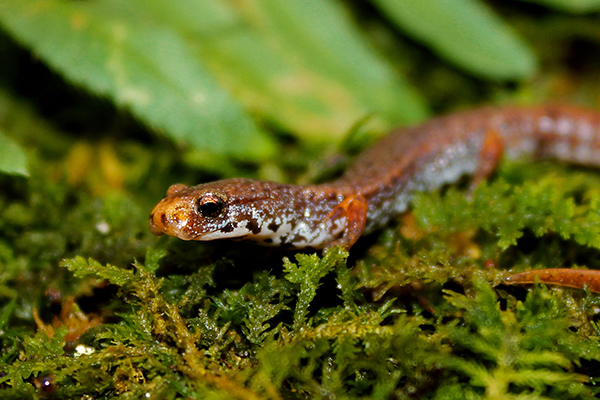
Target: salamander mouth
<point x="182" y="233"/>
<point x="154" y="227"/>
<point x="187" y="236"/>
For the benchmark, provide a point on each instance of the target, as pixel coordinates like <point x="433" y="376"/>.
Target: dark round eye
<point x="210" y="206"/>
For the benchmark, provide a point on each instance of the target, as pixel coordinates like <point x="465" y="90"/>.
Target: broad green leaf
<point x="573" y="6"/>
<point x="140" y="64"/>
<point x="301" y="65"/>
<point x="12" y="157"/>
<point x="465" y="32"/>
<point x="319" y="36"/>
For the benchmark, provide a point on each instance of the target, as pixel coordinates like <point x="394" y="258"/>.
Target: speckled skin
<point x="268" y="212"/>
<point x="380" y="184"/>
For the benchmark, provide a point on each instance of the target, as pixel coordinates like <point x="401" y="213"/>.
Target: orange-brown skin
<point x="575" y="278"/>
<point x="380" y="184"/>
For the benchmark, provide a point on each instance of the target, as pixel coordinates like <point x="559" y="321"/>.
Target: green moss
<point x="91" y="312"/>
<point x="416" y="316"/>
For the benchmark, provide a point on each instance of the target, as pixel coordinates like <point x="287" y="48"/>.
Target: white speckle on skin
<point x="441" y="161"/>
<point x="302" y="228"/>
<point x="563" y="126"/>
<point x="239" y="230"/>
<point x="402" y="201"/>
<point x="445" y="169"/>
<point x="546" y="124"/>
<point x="562" y="149"/>
<point x="461" y="149"/>
<point x="277" y="236"/>
<point x="525" y="145"/>
<point x="585" y="132"/>
<point x="450" y="152"/>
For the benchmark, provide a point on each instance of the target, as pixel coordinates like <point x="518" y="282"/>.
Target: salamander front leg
<point x="354" y="208"/>
<point x="489" y="157"/>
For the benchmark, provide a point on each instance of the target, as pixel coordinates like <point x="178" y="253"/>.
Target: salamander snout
<point x="239" y="209"/>
<point x="199" y="213"/>
<point x="173" y="216"/>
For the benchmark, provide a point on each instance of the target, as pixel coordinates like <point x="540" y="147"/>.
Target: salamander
<point x="381" y="182"/>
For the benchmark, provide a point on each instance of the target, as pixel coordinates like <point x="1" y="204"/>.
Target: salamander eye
<point x="210" y="205"/>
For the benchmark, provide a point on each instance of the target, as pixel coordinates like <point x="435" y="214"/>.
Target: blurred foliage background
<point x="220" y="77"/>
<point x="105" y="103"/>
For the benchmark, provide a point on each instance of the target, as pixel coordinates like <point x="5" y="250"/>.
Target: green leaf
<point x="140" y="64"/>
<point x="12" y="157"/>
<point x="301" y="65"/>
<point x="465" y="32"/>
<point x="320" y="46"/>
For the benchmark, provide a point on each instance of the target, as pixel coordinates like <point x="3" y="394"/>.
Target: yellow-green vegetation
<point x="92" y="306"/>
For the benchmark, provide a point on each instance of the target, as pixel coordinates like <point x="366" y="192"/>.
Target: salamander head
<point x="224" y="209"/>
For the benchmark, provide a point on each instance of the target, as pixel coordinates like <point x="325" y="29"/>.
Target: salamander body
<point x="381" y="182"/>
